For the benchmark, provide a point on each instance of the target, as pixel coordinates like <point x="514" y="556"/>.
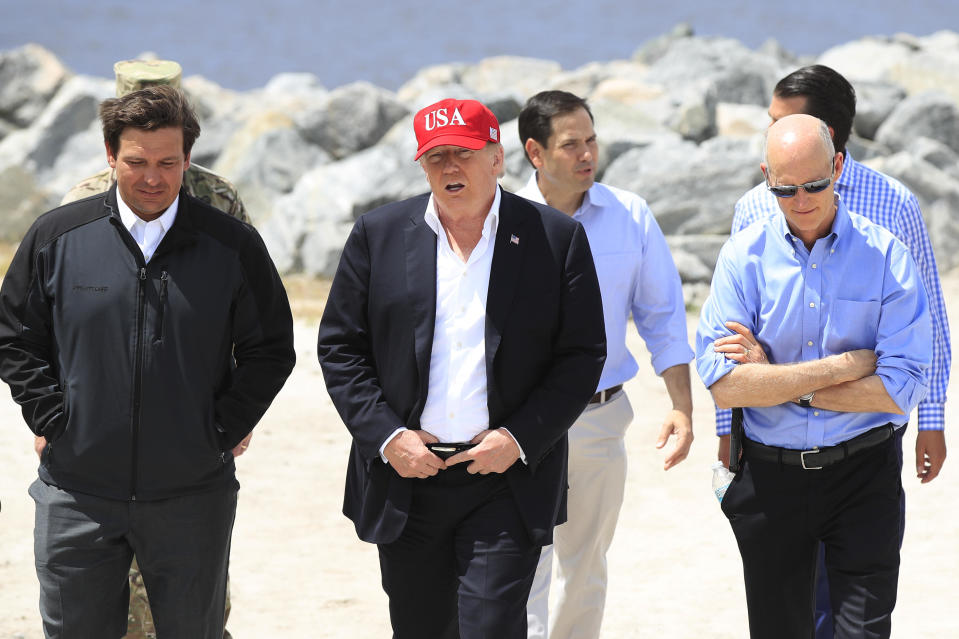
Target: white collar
<point x="129" y="218"/>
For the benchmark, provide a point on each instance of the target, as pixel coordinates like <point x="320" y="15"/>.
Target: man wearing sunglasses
<point x="843" y="318"/>
<point x="822" y="92"/>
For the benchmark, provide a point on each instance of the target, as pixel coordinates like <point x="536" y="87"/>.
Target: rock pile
<point x="680" y="123"/>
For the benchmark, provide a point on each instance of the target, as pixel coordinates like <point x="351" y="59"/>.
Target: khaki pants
<point x="597" y="480"/>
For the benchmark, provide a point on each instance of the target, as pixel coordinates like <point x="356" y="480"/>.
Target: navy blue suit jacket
<point x="545" y="348"/>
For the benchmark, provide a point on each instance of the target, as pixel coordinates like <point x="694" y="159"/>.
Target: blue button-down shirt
<point x="636" y="276"/>
<point x="857" y="288"/>
<point x="889" y="204"/>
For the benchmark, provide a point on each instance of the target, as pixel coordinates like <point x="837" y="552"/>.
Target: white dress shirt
<point x="147" y="235"/>
<point x="456" y="407"/>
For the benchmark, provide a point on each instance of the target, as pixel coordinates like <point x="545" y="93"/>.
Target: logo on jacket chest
<point x="80" y="288"/>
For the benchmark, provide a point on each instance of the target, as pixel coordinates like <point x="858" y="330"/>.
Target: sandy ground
<point x="299" y="571"/>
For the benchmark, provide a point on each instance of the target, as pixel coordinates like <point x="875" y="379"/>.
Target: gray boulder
<point x="740" y="120"/>
<point x="652" y="50"/>
<point x="518" y="169"/>
<point x="72" y="111"/>
<point x="265" y="159"/>
<point x="933" y="65"/>
<point x="935" y="153"/>
<point x="690" y="188"/>
<point x="700" y="254"/>
<point x="930" y="114"/>
<point x="221" y="113"/>
<point x="29" y="77"/>
<point x="308" y="227"/>
<point x="874" y="102"/>
<point x="353" y="118"/>
<point x="412" y="93"/>
<point x="721" y="66"/>
<point x="870" y="59"/>
<point x="621" y="126"/>
<point x="524" y="76"/>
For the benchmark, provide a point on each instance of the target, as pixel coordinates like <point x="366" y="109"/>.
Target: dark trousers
<point x="824" y="623"/>
<point x="83" y="546"/>
<point x="780" y="515"/>
<point x="464" y="564"/>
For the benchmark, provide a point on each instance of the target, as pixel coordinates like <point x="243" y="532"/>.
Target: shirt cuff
<point x="674" y="355"/>
<point x="932" y="416"/>
<point x="522" y="455"/>
<point x="388" y="440"/>
<point x="724" y="421"/>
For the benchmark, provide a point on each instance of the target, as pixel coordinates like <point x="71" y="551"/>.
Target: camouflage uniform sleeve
<point x="217" y="191"/>
<point x="93" y="185"/>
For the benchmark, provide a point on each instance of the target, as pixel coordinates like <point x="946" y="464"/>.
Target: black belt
<point x="818" y="458"/>
<point x="603" y="396"/>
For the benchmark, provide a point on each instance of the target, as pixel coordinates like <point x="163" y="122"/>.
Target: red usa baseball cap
<point x="465" y="123"/>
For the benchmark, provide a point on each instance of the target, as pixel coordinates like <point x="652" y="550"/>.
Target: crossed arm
<point x="864" y="394"/>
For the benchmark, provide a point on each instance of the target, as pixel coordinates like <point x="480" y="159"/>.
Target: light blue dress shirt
<point x="636" y="276"/>
<point x="857" y="288"/>
<point x="888" y="203"/>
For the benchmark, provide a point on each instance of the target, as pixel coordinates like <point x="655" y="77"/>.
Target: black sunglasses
<point x="789" y="190"/>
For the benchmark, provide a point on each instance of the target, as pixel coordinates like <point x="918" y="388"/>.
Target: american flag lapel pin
<point x="513" y="239"/>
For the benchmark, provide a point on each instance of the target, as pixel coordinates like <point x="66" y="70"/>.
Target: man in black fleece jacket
<point x="144" y="334"/>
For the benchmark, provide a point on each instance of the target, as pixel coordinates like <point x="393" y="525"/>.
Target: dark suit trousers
<point x="464" y="564"/>
<point x="83" y="547"/>
<point x="824" y="624"/>
<point x="781" y="514"/>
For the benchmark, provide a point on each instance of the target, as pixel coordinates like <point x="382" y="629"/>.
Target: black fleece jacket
<point x="142" y="377"/>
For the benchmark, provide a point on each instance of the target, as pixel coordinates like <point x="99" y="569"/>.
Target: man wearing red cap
<point x="463" y="336"/>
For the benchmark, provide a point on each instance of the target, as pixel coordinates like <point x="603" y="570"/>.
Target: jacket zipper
<point x="164" y="278"/>
<point x="137" y="378"/>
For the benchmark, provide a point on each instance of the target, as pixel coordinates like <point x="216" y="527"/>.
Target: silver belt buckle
<point x="802" y="458"/>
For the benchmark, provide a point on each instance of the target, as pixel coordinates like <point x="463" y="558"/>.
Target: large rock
<point x="353" y="118"/>
<point x="426" y="80"/>
<point x="265" y="159"/>
<point x="701" y="250"/>
<point x="524" y="76"/>
<point x="308" y="227"/>
<point x="930" y="114"/>
<point x="621" y="126"/>
<point x="869" y="59"/>
<point x="935" y="153"/>
<point x="721" y="66"/>
<point x="740" y="120"/>
<point x="690" y="188"/>
<point x="72" y="111"/>
<point x="82" y="156"/>
<point x="29" y="78"/>
<point x="874" y="102"/>
<point x="934" y="65"/>
<point x="221" y="113"/>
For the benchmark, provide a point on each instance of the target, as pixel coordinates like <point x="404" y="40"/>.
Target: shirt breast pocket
<point x="851" y="325"/>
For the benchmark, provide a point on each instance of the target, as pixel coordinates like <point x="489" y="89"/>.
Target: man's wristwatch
<point x="806" y="400"/>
